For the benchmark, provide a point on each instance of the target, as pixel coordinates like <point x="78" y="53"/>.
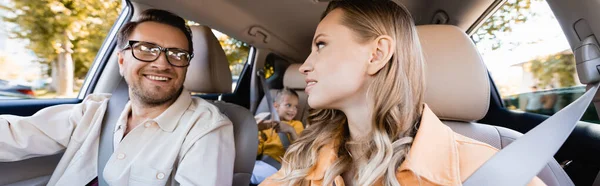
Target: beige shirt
<point x="190" y="143"/>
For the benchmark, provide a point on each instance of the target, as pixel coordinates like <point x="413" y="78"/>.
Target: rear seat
<point x="294" y="80"/>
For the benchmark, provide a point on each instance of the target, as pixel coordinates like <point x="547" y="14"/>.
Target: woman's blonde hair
<point x="396" y="97"/>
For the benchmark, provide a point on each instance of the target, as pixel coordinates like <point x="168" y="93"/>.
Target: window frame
<point x="105" y="52"/>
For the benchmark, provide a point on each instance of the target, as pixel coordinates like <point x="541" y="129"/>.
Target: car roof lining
<point x="290" y="24"/>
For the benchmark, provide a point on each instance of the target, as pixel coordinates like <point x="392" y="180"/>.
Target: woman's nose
<point x="306" y="66"/>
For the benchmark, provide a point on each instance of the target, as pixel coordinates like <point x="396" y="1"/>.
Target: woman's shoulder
<point x="472" y="154"/>
<point x="468" y="145"/>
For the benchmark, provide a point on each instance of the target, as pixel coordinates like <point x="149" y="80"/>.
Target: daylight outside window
<point x="47" y="47"/>
<point x="529" y="59"/>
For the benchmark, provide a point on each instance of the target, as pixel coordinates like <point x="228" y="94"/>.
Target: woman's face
<point x="336" y="69"/>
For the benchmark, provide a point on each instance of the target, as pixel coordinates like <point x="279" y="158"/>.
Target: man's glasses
<point x="149" y="52"/>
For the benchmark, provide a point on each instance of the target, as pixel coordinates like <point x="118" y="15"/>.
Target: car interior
<point x="460" y="89"/>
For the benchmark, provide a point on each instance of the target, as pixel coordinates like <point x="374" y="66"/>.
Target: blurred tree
<point x="237" y="53"/>
<point x="65" y="35"/>
<point x="511" y="13"/>
<point x="559" y="68"/>
<point x="7" y="63"/>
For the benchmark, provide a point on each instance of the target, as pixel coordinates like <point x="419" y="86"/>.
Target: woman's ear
<point x="383" y="50"/>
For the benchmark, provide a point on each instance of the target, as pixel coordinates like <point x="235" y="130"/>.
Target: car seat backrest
<point x="209" y="73"/>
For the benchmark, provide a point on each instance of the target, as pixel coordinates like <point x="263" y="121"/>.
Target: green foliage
<point x="558" y="67"/>
<point x="269" y="70"/>
<point x="511" y="13"/>
<point x="236" y="51"/>
<point x="47" y="25"/>
<point x="550" y="70"/>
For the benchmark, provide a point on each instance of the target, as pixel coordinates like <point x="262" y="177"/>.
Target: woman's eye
<point x="320" y="45"/>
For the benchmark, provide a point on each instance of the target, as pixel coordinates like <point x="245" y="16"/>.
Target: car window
<point x="237" y="54"/>
<point x="269" y="68"/>
<point x="47" y="47"/>
<point x="529" y="59"/>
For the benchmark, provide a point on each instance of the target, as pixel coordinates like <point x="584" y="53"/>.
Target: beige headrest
<point x="209" y="69"/>
<point x="293" y="78"/>
<point x="457" y="80"/>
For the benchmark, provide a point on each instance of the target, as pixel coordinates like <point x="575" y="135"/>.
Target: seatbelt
<point x="285" y="141"/>
<point x="116" y="104"/>
<point x="524" y="158"/>
<point x="597" y="181"/>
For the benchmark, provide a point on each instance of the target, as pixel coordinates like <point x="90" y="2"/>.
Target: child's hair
<point x="285" y="91"/>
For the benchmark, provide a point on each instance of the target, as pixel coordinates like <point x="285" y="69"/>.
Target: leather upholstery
<point x="293" y="78"/>
<point x="209" y="69"/>
<point x="457" y="80"/>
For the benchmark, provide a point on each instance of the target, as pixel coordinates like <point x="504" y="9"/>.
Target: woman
<point x="365" y="77"/>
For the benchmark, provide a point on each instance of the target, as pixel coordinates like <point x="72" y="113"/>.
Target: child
<point x="285" y="103"/>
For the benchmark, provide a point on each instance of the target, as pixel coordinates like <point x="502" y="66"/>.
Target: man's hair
<point x="285" y="91"/>
<point x="159" y="16"/>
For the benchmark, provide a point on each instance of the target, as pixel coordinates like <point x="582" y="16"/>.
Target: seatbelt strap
<point x="116" y="104"/>
<point x="524" y="158"/>
<point x="285" y="141"/>
<point x="597" y="181"/>
<point x="271" y="161"/>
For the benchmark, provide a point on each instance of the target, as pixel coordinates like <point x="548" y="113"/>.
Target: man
<point x="163" y="136"/>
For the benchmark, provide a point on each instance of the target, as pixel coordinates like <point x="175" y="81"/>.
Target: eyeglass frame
<point x="161" y="49"/>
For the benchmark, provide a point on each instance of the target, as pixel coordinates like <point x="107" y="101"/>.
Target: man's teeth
<point x="158" y="78"/>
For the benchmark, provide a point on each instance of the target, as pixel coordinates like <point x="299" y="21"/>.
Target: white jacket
<point x="190" y="143"/>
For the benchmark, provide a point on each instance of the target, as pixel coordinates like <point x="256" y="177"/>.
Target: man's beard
<point x="148" y="98"/>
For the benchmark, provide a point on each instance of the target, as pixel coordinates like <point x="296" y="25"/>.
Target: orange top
<point x="438" y="156"/>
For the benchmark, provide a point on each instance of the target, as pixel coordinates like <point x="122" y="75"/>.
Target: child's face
<point x="287" y="107"/>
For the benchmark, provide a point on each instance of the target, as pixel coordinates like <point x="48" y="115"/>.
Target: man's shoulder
<point x="93" y="102"/>
<point x="207" y="119"/>
<point x="208" y="111"/>
<point x="97" y="97"/>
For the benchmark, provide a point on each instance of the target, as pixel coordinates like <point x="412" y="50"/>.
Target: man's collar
<point x="167" y="121"/>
